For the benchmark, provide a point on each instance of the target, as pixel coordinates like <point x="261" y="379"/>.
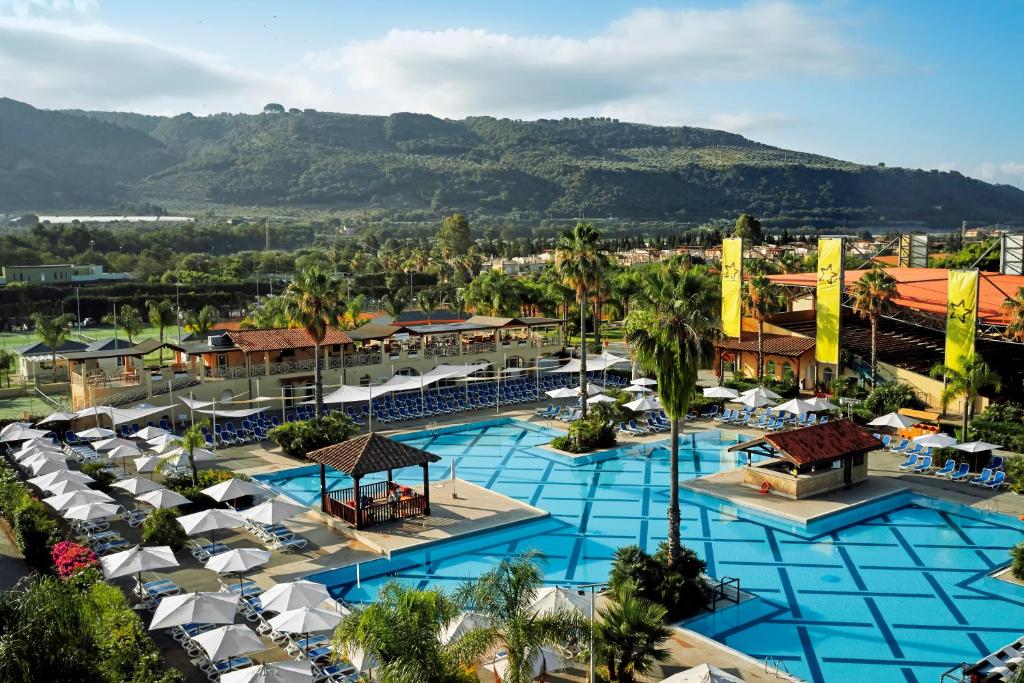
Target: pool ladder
<point x="776" y="666"/>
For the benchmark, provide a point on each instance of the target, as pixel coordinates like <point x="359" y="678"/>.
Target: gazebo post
<point x="358" y="503"/>
<point x="323" y="488"/>
<point x="426" y="488"/>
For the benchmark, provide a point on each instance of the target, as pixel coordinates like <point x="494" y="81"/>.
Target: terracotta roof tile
<point x="282" y="338"/>
<point x="370" y="453"/>
<point x="775" y="344"/>
<point x="822" y="443"/>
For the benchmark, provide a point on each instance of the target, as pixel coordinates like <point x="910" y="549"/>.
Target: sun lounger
<point x="996" y="463"/>
<point x="983" y="478"/>
<point x="910" y="464"/>
<point x="962" y="472"/>
<point x="710" y="413"/>
<point x="901" y="446"/>
<point x="924" y="465"/>
<point x="946" y="469"/>
<point x="997" y="480"/>
<point x="111" y="546"/>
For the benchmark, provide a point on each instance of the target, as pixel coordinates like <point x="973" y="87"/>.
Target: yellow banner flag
<point x="830" y="278"/>
<point x="961" y="316"/>
<point x="732" y="284"/>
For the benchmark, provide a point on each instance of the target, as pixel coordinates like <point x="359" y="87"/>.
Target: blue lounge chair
<point x="983" y="479"/>
<point x="886" y="440"/>
<point x="996" y="463"/>
<point x="946" y="469"/>
<point x="710" y="413"/>
<point x="823" y="420"/>
<point x="901" y="446"/>
<point x="924" y="465"/>
<point x="998" y="479"/>
<point x="961" y="473"/>
<point x="910" y="463"/>
<point x="639" y="430"/>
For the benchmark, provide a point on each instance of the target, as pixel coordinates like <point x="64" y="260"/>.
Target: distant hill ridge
<point x="414" y="162"/>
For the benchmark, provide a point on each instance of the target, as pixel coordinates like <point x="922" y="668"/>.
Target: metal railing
<point x="727" y="588"/>
<point x="341" y="504"/>
<point x="775" y="665"/>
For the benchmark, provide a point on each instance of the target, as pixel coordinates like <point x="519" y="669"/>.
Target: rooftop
<point x="370" y="453"/>
<point x="818" y="443"/>
<point x="251" y="341"/>
<point x="775" y="344"/>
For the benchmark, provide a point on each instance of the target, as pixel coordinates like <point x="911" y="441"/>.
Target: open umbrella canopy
<point x="229" y="641"/>
<point x="165" y="448"/>
<point x="179" y="456"/>
<point x="136" y="485"/>
<point x="58" y="416"/>
<point x="545" y="660"/>
<point x="111" y="443"/>
<point x="232" y="489"/>
<point x="91" y="511"/>
<point x="284" y="597"/>
<point x="138" y="559"/>
<point x="22" y="434"/>
<point x="62" y="486"/>
<point x="74" y="498"/>
<point x="147" y="433"/>
<point x="976" y="446"/>
<point x="275" y="672"/>
<point x="600" y="398"/>
<point x="720" y="392"/>
<point x="41" y="466"/>
<point x="195" y="608"/>
<point x="164" y="439"/>
<point x="13" y="427"/>
<point x="163" y="498"/>
<point x="210" y="520"/>
<point x="64" y="475"/>
<point x="305" y="619"/>
<point x="935" y="440"/>
<point x="95" y="433"/>
<point x="238" y="560"/>
<point x="644" y="382"/>
<point x="643" y="404"/>
<point x="704" y="673"/>
<point x="273" y="511"/>
<point x="37" y="453"/>
<point x="795" y="406"/>
<point x="819" y="403"/>
<point x="551" y="599"/>
<point x="465" y="622"/>
<point x="754" y="400"/>
<point x="147" y="463"/>
<point x="638" y="389"/>
<point x="761" y="391"/>
<point x="119" y="452"/>
<point x="39" y="442"/>
<point x="892" y="420"/>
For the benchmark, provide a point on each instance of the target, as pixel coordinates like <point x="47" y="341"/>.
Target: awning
<point x="236" y="413"/>
<point x="352" y="394"/>
<point x="594" y="363"/>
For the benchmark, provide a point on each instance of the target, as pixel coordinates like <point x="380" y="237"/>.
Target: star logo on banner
<point x="959" y="311"/>
<point x="730" y="272"/>
<point x="827" y="275"/>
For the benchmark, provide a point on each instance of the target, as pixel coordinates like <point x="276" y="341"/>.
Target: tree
<point x="394" y="302"/>
<point x="355" y="307"/>
<point x="273" y="108"/>
<point x="6" y="360"/>
<point x="494" y="293"/>
<point x="1015" y="309"/>
<point x="670" y="330"/>
<point x="630" y="636"/>
<point x="314" y="303"/>
<point x="192" y="439"/>
<point x="201" y="321"/>
<point x="965" y="383"/>
<point x="161" y="316"/>
<point x="749" y="228"/>
<point x="130" y="321"/>
<point x="454" y="236"/>
<point x="872" y="298"/>
<point x="54" y="332"/>
<point x="402" y="631"/>
<point x="582" y="263"/>
<point x="761" y="298"/>
<point x="427" y="301"/>
<point x="505" y="594"/>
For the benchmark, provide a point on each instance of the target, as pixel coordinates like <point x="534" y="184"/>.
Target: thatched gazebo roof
<point x="370" y="453"/>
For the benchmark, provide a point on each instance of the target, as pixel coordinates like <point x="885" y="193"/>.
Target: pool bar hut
<point x="363" y="505"/>
<point x="808" y="461"/>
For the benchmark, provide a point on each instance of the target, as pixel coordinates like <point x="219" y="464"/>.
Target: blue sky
<point x="921" y="84"/>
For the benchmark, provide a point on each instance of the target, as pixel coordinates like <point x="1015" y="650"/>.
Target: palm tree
<point x="965" y="383"/>
<point x="427" y="301"/>
<point x="630" y="636"/>
<point x="505" y="595"/>
<point x="581" y="263"/>
<point x="394" y="302"/>
<point x="201" y="321"/>
<point x="6" y="358"/>
<point x="161" y="316"/>
<point x="1015" y="309"/>
<point x="130" y="320"/>
<point x="314" y="303"/>
<point x="353" y="309"/>
<point x="761" y="298"/>
<point x="402" y="632"/>
<point x="872" y="298"/>
<point x="670" y="330"/>
<point x="192" y="439"/>
<point x="54" y="332"/>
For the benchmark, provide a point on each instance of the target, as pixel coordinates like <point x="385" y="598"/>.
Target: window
<point x="769" y="368"/>
<point x="858" y="460"/>
<point x="787" y="371"/>
<point x="827" y="375"/>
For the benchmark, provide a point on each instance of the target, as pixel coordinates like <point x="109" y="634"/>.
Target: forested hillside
<point x="420" y="164"/>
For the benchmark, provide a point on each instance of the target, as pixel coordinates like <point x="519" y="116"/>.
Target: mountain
<point x="412" y="163"/>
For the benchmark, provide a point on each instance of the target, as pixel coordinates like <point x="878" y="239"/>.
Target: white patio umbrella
<point x="195" y="608"/>
<point x="636" y="389"/>
<point x="721" y="392"/>
<point x="703" y="673"/>
<point x="754" y="400"/>
<point x="644" y="403"/>
<point x="467" y="621"/>
<point x="13" y="427"/>
<point x="795" y="406"/>
<point x="273" y="511"/>
<point x="64" y="475"/>
<point x="136" y="485"/>
<point x="892" y="420"/>
<point x="36" y="454"/>
<point x="362" y="661"/>
<point x="91" y="511"/>
<point x="600" y="398"/>
<point x="305" y="619"/>
<point x="232" y="489"/>
<point x="137" y="560"/>
<point x="147" y="433"/>
<point x="275" y="672"/>
<point x="179" y="457"/>
<point x="545" y="660"/>
<point x="39" y="442"/>
<point x="935" y="440"/>
<point x="819" y="403"/>
<point x="58" y="416"/>
<point x="62" y="486"/>
<point x="644" y="382"/>
<point x="95" y="433"/>
<point x="284" y="597"/>
<point x="229" y="641"/>
<point x="551" y="599"/>
<point x="111" y="443"/>
<point x="238" y="561"/>
<point x="166" y="447"/>
<point x="22" y="434"/>
<point x="976" y="446"/>
<point x="761" y="391"/>
<point x="163" y="498"/>
<point x="41" y="466"/>
<point x="75" y="498"/>
<point x="146" y="464"/>
<point x="122" y="453"/>
<point x="209" y="521"/>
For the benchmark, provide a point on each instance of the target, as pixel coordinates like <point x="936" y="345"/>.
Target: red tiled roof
<point x="775" y="344"/>
<point x="283" y="338"/>
<point x="370" y="453"/>
<point x="822" y="443"/>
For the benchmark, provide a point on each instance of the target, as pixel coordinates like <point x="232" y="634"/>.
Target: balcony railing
<point x="341" y="504"/>
<point x="292" y="366"/>
<point x="479" y="347"/>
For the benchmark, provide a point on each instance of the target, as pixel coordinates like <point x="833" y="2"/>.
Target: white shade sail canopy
<point x="195" y="608"/>
<point x="355" y="394"/>
<point x="231" y="413"/>
<point x="121" y="415"/>
<point x="138" y="559"/>
<point x="595" y="363"/>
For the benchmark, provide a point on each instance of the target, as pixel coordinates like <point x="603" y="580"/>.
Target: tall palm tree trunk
<point x="53" y="368"/>
<point x="673" y="496"/>
<point x="760" y="350"/>
<point x="874" y="351"/>
<point x="318" y="383"/>
<point x="583" y="354"/>
<point x="968" y="404"/>
<point x="597" y="325"/>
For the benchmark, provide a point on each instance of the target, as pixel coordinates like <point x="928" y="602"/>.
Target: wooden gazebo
<point x="382" y="501"/>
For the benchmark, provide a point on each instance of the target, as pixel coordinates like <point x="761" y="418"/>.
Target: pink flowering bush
<point x="69" y="557"/>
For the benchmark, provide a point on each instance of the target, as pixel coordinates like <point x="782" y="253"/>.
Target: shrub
<point x="97" y="471"/>
<point x="302" y="436"/>
<point x="1017" y="567"/>
<point x="587" y="435"/>
<point x="69" y="557"/>
<point x="681" y="590"/>
<point x="162" y="528"/>
<point x="34" y="530"/>
<point x="1014" y="467"/>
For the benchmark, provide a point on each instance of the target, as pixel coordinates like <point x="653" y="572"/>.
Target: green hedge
<point x="302" y="436"/>
<point x="34" y="528"/>
<point x="590" y="434"/>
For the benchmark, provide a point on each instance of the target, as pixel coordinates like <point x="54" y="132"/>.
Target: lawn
<point x="12" y="408"/>
<point x="89" y="334"/>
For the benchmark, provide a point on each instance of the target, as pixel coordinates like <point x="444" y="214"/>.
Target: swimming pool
<point x="891" y="592"/>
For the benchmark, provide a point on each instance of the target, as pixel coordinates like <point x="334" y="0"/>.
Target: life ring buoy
<point x="765" y="487"/>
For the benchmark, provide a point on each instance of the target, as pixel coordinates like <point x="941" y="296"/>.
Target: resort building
<point x="60" y="274"/>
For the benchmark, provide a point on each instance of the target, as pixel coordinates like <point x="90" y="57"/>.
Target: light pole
<point x="592" y="587"/>
<point x="177" y="305"/>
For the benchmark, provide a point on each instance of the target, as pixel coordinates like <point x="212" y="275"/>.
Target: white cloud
<point x="1001" y="172"/>
<point x="647" y="54"/>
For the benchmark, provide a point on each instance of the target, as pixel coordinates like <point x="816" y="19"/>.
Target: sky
<point x="933" y="84"/>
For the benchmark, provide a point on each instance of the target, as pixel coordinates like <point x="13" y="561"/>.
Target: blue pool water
<point x="894" y="591"/>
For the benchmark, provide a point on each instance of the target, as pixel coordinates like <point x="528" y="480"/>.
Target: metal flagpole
<point x="283" y="416"/>
<point x="170" y="401"/>
<point x="214" y="416"/>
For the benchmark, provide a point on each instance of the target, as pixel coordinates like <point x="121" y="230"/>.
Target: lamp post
<point x="593" y="587"/>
